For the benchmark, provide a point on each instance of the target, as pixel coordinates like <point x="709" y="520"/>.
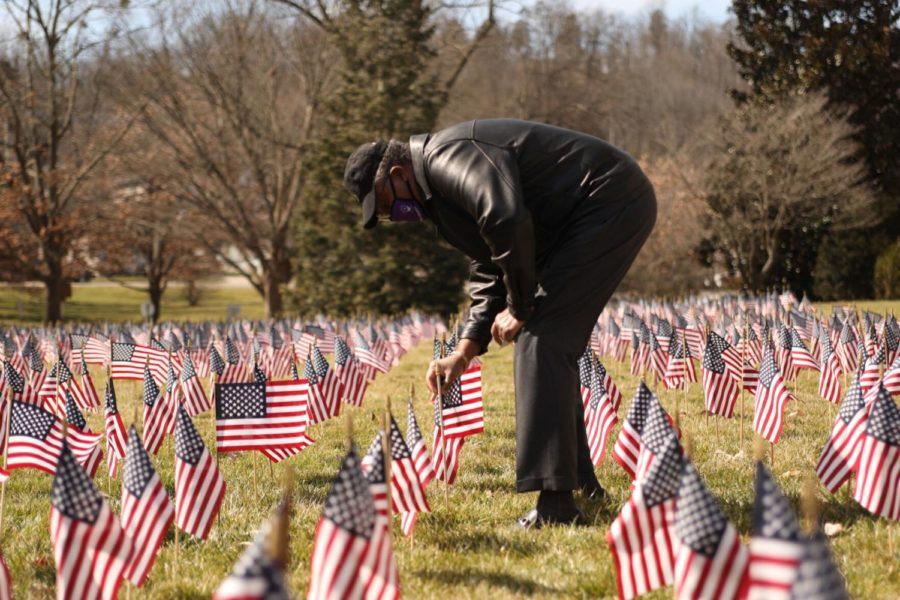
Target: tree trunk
<point x="272" y="296"/>
<point x="58" y="289"/>
<point x="55" y="296"/>
<point x="155" y="291"/>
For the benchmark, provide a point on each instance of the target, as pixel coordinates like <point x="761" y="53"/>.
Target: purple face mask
<point x="406" y="210"/>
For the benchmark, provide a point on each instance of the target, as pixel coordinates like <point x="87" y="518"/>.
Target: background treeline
<point x="178" y="140"/>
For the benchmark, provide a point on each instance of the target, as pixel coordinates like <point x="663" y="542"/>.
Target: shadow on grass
<point x="469" y="577"/>
<point x="491" y="543"/>
<point x="839" y="508"/>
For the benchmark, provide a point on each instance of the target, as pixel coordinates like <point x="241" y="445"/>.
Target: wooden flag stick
<point x="685" y="352"/>
<point x="741" y="389"/>
<point x="278" y="544"/>
<point x="5" y="420"/>
<point x="440" y="412"/>
<point x="386" y="448"/>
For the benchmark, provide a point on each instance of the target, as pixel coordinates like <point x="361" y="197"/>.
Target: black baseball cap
<point x="359" y="178"/>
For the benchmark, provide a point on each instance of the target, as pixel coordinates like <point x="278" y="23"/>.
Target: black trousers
<point x="576" y="282"/>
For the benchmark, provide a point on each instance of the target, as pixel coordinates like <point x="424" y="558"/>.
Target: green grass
<point x="468" y="547"/>
<point x="112" y="302"/>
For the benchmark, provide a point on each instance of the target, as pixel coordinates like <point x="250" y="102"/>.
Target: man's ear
<point x="395" y="171"/>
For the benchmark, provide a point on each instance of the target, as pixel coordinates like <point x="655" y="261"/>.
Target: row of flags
<point x="44" y="429"/>
<point x="673" y="532"/>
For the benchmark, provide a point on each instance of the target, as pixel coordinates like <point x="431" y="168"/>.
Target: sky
<point x="712" y="10"/>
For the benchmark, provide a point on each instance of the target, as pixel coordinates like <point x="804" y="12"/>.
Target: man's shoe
<point x="592" y="490"/>
<point x="535" y="519"/>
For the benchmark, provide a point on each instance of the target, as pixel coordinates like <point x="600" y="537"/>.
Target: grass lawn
<point x="468" y="547"/>
<point x="111" y="302"/>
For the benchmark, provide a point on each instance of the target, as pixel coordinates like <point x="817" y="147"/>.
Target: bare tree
<point x="776" y="174"/>
<point x="148" y="231"/>
<point x="230" y="97"/>
<point x="57" y="129"/>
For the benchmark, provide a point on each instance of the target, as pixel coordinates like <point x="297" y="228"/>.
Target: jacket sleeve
<point x="483" y="180"/>
<point x="488" y="296"/>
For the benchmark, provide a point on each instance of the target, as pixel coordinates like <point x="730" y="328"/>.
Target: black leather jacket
<point x="502" y="191"/>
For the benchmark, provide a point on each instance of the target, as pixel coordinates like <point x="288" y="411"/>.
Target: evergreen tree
<point x="848" y="49"/>
<point x="385" y="90"/>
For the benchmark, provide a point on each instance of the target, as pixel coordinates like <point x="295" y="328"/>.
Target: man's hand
<point x="505" y="328"/>
<point x="447" y="368"/>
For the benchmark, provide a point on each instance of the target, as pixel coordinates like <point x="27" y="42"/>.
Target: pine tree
<point x="385" y="90"/>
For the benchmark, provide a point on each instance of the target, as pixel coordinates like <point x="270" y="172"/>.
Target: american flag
<point x="65" y="386"/>
<point x="199" y="487"/>
<point x="730" y="356"/>
<point x="87" y="398"/>
<point x="771" y="398"/>
<point x="331" y="386"/>
<point x="116" y="436"/>
<point x="615" y="396"/>
<point x="628" y="445"/>
<point x="347" y="369"/>
<point x="445" y="451"/>
<point x="800" y="355"/>
<point x="366" y="356"/>
<point x="783" y="354"/>
<point x="462" y="405"/>
<point x="720" y="389"/>
<point x="159" y="417"/>
<point x="416" y="443"/>
<point x="256" y="575"/>
<point x="85" y="443"/>
<point x="658" y="357"/>
<point x="90" y="547"/>
<point x="847" y="348"/>
<point x="129" y="361"/>
<point x="642" y="537"/>
<point x="270" y="415"/>
<point x="751" y="378"/>
<point x="599" y="415"/>
<point x="317" y="404"/>
<point x="680" y="369"/>
<point x="878" y="473"/>
<point x="234" y="370"/>
<point x="407" y="490"/>
<point x="657" y="431"/>
<point x="48" y="393"/>
<point x="35" y="438"/>
<point x="585" y="372"/>
<point x="94" y="351"/>
<point x="891" y="379"/>
<point x="195" y="399"/>
<point x="421" y="462"/>
<point x="216" y="364"/>
<point x="341" y="561"/>
<point x="147" y="511"/>
<point x="830" y="376"/>
<point x="776" y="544"/>
<point x="817" y="575"/>
<point x="12" y="380"/>
<point x="37" y="372"/>
<point x="870" y="367"/>
<point x="382" y="581"/>
<point x="711" y="562"/>
<point x="841" y="451"/>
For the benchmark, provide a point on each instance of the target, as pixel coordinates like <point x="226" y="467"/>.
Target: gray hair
<point x="397" y="153"/>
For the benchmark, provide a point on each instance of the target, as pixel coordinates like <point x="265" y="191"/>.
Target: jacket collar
<point x="417" y="151"/>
